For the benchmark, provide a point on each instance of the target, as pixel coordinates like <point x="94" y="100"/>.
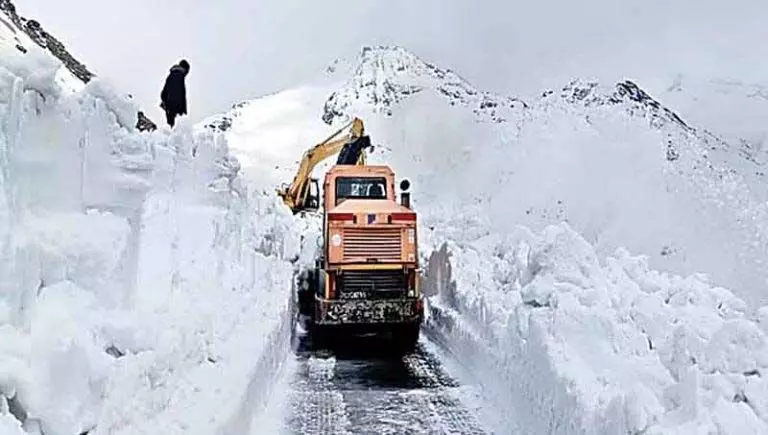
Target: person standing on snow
<point x="174" y="95"/>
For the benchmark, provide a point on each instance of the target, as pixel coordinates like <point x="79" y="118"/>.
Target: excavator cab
<point x="313" y="195"/>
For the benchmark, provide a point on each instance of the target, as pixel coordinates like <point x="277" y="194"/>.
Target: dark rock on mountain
<point x="37" y="33"/>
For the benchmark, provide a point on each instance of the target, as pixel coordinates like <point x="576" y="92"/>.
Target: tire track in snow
<point x="344" y="394"/>
<point x="317" y="408"/>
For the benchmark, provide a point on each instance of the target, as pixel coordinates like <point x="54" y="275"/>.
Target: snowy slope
<point x="380" y="79"/>
<point x="36" y="34"/>
<point x="551" y="315"/>
<point x="143" y="287"/>
<point x="730" y="108"/>
<point x="624" y="173"/>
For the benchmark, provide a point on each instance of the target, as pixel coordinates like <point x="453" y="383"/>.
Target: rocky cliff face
<point x="41" y="37"/>
<point x="45" y="40"/>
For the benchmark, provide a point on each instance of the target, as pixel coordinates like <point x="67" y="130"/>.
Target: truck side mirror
<point x="313" y="195"/>
<point x="404" y="185"/>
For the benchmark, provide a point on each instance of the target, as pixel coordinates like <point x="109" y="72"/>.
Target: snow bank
<point x="580" y="344"/>
<point x="144" y="288"/>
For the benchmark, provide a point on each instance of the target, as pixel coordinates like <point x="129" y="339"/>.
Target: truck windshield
<point x="360" y="188"/>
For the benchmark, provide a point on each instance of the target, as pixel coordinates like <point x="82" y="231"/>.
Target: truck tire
<point x="306" y="291"/>
<point x="406" y="337"/>
<point x="320" y="336"/>
<point x="305" y="303"/>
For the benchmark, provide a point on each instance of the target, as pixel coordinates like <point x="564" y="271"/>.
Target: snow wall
<point x="572" y="344"/>
<point x="140" y="281"/>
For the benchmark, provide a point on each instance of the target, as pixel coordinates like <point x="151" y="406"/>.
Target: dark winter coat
<point x="174" y="94"/>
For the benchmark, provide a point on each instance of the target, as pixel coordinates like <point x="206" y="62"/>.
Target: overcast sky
<point x="244" y="48"/>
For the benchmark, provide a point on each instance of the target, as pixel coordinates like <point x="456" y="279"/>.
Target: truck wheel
<point x="320" y="337"/>
<point x="406" y="337"/>
<point x="306" y="293"/>
<point x="306" y="298"/>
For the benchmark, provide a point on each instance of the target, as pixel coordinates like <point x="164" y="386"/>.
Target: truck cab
<point x="367" y="278"/>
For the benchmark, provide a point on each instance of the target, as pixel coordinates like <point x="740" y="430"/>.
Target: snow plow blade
<point x="368" y="311"/>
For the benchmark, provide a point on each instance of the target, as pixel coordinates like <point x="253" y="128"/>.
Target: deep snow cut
<point x="138" y="293"/>
<point x="146" y="277"/>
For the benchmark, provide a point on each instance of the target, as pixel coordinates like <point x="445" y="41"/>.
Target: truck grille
<point x="373" y="284"/>
<point x="378" y="243"/>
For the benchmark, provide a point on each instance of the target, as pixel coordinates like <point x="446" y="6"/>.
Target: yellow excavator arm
<point x="295" y="195"/>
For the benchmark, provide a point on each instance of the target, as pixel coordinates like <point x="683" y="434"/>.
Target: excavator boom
<point x="296" y="195"/>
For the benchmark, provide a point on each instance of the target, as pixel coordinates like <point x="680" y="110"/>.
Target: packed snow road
<point x="359" y="388"/>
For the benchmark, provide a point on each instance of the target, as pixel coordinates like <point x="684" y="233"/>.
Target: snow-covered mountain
<point x="732" y="109"/>
<point x="692" y="182"/>
<point x="619" y="165"/>
<point x="383" y="76"/>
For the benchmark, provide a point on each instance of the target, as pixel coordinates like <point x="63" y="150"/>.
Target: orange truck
<point x="366" y="278"/>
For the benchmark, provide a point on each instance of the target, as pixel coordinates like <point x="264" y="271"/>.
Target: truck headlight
<point x="411" y="235"/>
<point x="336" y="240"/>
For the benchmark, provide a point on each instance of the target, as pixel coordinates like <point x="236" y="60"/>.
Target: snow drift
<point x="582" y="344"/>
<point x="138" y="292"/>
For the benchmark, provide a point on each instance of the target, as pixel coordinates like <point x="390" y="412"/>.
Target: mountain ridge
<point x="688" y="177"/>
<point x="385" y="75"/>
<point x="381" y="77"/>
<point x="45" y="40"/>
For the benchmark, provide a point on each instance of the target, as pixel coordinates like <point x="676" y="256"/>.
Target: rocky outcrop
<point x="144" y="123"/>
<point x="626" y="92"/>
<point x="37" y="33"/>
<point x="224" y="122"/>
<point x="47" y="41"/>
